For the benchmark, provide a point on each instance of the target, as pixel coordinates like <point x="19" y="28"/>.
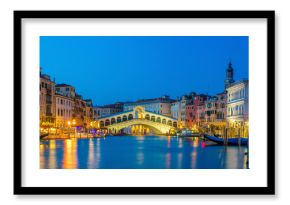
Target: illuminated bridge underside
<point x="158" y="127"/>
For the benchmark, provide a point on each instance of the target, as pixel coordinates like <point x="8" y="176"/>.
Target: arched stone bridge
<point x="160" y="123"/>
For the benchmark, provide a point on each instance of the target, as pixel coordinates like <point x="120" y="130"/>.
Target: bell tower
<point x="229" y="75"/>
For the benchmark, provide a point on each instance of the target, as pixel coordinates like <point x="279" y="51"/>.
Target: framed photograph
<point x="144" y="102"/>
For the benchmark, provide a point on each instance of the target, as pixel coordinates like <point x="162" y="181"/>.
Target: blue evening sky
<point x="108" y="69"/>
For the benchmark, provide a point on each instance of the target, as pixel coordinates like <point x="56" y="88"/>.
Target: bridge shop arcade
<point x="137" y="121"/>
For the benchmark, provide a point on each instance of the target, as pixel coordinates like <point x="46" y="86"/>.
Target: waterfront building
<point x="176" y="110"/>
<point x="88" y="115"/>
<point x="180" y="109"/>
<point x="65" y="90"/>
<point x="221" y="109"/>
<point x="160" y="105"/>
<point x="210" y="109"/>
<point x="79" y="105"/>
<point x="190" y="117"/>
<point x="118" y="106"/>
<point x="46" y="101"/>
<point x="79" y="110"/>
<point x="64" y="110"/>
<point x="199" y="112"/>
<point x="108" y="110"/>
<point x="102" y="111"/>
<point x="97" y="110"/>
<point x="238" y="106"/>
<point x="190" y="108"/>
<point x="215" y="113"/>
<point x="183" y="101"/>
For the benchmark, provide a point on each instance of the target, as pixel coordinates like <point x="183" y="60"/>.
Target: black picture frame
<point x="268" y="190"/>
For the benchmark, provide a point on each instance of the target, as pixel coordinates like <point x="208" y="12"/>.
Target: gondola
<point x="231" y="141"/>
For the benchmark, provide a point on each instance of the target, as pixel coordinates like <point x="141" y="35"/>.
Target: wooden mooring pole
<point x="226" y="137"/>
<point x="239" y="136"/>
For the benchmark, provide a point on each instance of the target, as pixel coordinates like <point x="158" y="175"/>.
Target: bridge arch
<point x="113" y="120"/>
<point x="163" y="121"/>
<point x="151" y="128"/>
<point x="107" y="122"/>
<point x="174" y="124"/>
<point x="147" y="117"/>
<point x="158" y="119"/>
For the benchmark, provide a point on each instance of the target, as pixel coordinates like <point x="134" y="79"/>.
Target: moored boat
<point x="230" y="141"/>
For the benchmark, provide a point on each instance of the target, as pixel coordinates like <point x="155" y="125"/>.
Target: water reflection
<point x="195" y="142"/>
<point x="42" y="158"/>
<point x="52" y="154"/>
<point x="91" y="157"/>
<point x="70" y="154"/>
<point x="149" y="152"/>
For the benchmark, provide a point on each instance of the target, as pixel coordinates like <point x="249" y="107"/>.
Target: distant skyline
<point x="110" y="69"/>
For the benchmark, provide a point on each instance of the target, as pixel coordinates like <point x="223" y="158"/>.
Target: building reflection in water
<point x="98" y="153"/>
<point x="179" y="160"/>
<point x="238" y="158"/>
<point x="91" y="157"/>
<point x="41" y="156"/>
<point x="231" y="158"/>
<point x="195" y="144"/>
<point x="70" y="154"/>
<point x="168" y="141"/>
<point x="180" y="142"/>
<point x="140" y="157"/>
<point x="52" y="154"/>
<point x="168" y="154"/>
<point x="140" y="151"/>
<point x="168" y="160"/>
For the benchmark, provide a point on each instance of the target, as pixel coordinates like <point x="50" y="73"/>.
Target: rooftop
<point x="45" y="76"/>
<point x="63" y="85"/>
<point x="164" y="98"/>
<point x="238" y="82"/>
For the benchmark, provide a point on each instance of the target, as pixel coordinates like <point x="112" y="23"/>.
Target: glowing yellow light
<point x="41" y="148"/>
<point x="74" y="122"/>
<point x="195" y="142"/>
<point x="69" y="123"/>
<point x="52" y="144"/>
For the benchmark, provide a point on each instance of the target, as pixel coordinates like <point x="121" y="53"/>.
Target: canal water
<point x="139" y="152"/>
